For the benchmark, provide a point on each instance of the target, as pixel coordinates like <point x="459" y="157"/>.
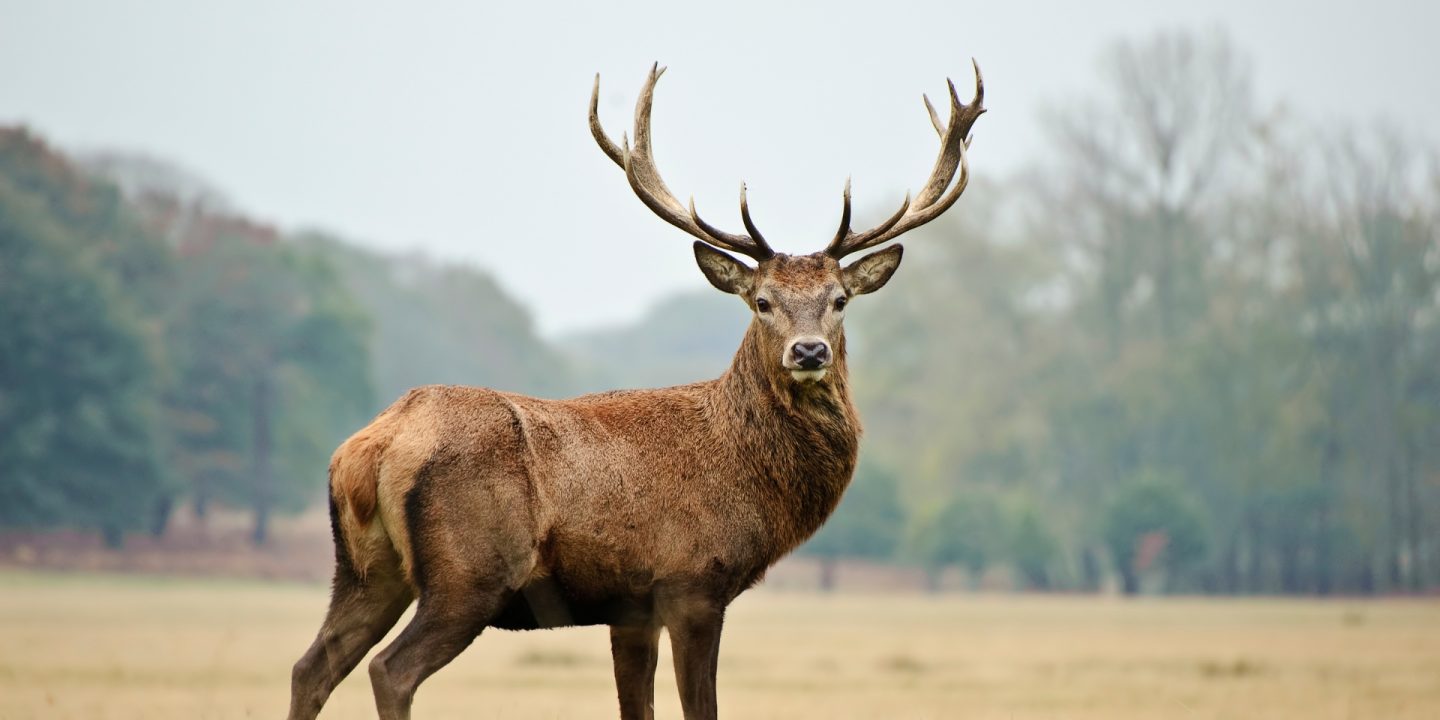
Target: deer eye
<point x="762" y="305"/>
<point x="840" y="302"/>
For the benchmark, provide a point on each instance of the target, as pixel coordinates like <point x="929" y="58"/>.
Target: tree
<point x="444" y="323"/>
<point x="1153" y="524"/>
<point x="1370" y="277"/>
<point x="79" y="425"/>
<point x="1033" y="547"/>
<point x="867" y="524"/>
<point x="275" y="366"/>
<point x="970" y="530"/>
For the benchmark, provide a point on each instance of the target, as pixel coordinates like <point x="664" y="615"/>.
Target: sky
<point x="459" y="129"/>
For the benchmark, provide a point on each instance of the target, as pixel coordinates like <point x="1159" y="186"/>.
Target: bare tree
<point x="1136" y="163"/>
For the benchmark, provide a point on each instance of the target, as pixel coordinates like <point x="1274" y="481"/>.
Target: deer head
<point x="799" y="300"/>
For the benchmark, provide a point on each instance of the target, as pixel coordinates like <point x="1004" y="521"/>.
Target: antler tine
<point x="933" y="198"/>
<point x="949" y="158"/>
<point x="934" y="116"/>
<point x="606" y="144"/>
<point x="644" y="178"/>
<point x="844" y="230"/>
<point x="846" y="241"/>
<point x="716" y="236"/>
<point x="750" y="224"/>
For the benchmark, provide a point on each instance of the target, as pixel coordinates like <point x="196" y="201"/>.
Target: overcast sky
<point x="459" y="128"/>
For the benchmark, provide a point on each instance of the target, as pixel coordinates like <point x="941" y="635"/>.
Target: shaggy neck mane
<point x="798" y="442"/>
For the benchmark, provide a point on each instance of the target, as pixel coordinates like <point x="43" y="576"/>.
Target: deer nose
<point x="810" y="355"/>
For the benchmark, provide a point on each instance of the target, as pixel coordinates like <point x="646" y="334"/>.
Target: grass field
<point x="98" y="647"/>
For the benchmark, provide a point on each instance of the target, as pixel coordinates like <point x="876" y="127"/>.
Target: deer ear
<point x="871" y="272"/>
<point x="724" y="272"/>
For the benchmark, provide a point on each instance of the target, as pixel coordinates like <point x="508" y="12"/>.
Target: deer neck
<point x="797" y="441"/>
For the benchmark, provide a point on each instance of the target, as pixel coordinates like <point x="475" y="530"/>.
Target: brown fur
<point x="637" y="509"/>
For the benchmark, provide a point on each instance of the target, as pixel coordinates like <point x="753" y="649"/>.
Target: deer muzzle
<point x="808" y="358"/>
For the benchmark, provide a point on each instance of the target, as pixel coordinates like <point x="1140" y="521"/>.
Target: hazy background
<point x="459" y="128"/>
<point x="1181" y="335"/>
<point x="1178" y="344"/>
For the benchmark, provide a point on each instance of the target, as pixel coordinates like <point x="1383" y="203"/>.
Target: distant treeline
<point x="158" y="348"/>
<point x="1194" y="348"/>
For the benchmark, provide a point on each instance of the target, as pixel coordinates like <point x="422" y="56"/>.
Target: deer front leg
<point x="635" y="650"/>
<point x="695" y="641"/>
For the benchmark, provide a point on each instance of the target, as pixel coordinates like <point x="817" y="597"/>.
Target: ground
<point x="97" y="646"/>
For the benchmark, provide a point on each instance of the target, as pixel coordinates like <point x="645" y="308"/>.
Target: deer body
<point x="595" y="503"/>
<point x="636" y="509"/>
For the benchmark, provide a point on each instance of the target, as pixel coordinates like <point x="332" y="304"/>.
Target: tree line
<point x="1195" y="347"/>
<point x="157" y="347"/>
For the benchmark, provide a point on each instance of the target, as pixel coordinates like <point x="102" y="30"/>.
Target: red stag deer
<point x="635" y="509"/>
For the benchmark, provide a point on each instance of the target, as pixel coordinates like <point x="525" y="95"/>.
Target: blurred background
<point x="1180" y="337"/>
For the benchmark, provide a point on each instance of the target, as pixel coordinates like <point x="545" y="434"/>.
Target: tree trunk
<point x="1164" y="274"/>
<point x="160" y="521"/>
<point x="1090" y="569"/>
<point x="1414" y="539"/>
<point x="1324" y="553"/>
<point x="1255" y="559"/>
<point x="1394" y="573"/>
<point x="827" y="573"/>
<point x="1229" y="578"/>
<point x="261" y="460"/>
<point x="202" y="501"/>
<point x="1290" y="567"/>
<point x="1129" y="579"/>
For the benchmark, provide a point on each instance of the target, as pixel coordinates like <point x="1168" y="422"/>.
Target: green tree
<point x="970" y="531"/>
<point x="79" y="423"/>
<point x="276" y="368"/>
<point x="1033" y="548"/>
<point x="442" y="323"/>
<point x="867" y="524"/>
<point x="1152" y="523"/>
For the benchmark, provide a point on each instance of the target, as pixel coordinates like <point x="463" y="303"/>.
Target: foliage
<point x="222" y="364"/>
<point x="275" y="368"/>
<point x="969" y="531"/>
<point x="1194" y="319"/>
<point x="1152" y="523"/>
<point x="78" y="373"/>
<point x="684" y="338"/>
<point x="1033" y="547"/>
<point x="868" y="522"/>
<point x="439" y="323"/>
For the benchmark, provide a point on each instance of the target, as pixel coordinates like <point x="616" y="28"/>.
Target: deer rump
<point x="545" y="497"/>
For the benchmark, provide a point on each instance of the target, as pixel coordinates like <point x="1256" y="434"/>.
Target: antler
<point x="932" y="200"/>
<point x="639" y="166"/>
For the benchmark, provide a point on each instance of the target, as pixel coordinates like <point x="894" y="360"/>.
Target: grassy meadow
<point x="97" y="647"/>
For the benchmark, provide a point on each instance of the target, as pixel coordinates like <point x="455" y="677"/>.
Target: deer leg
<point x="695" y="642"/>
<point x="361" y="612"/>
<point x="635" y="650"/>
<point x="443" y="626"/>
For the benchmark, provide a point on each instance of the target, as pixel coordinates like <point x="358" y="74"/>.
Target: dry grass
<point x="104" y="647"/>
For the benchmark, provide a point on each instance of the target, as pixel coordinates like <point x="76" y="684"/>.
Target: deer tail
<point x="360" y="539"/>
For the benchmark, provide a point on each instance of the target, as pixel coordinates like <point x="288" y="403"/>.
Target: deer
<point x="636" y="509"/>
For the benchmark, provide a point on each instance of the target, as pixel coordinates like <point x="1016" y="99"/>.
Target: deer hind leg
<point x="361" y="612"/>
<point x="635" y="649"/>
<point x="445" y="623"/>
<point x="467" y="573"/>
